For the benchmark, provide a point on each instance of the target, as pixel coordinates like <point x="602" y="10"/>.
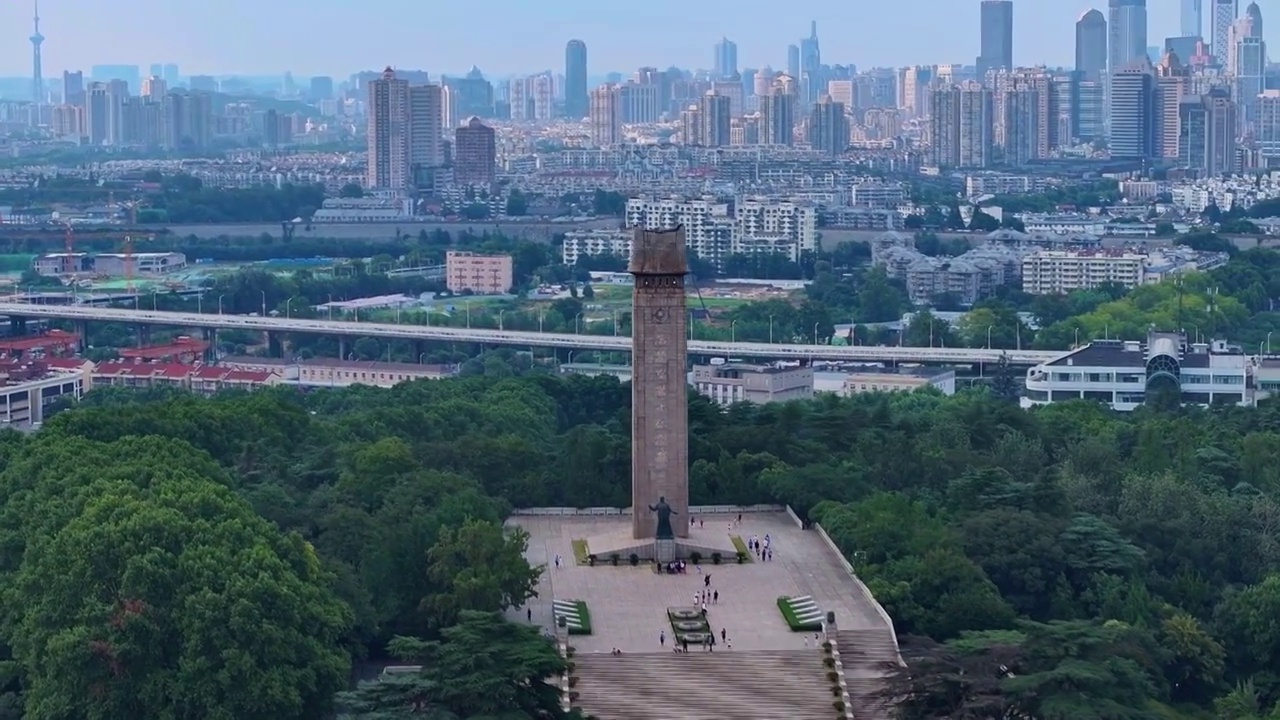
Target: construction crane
<point x="69" y="259"/>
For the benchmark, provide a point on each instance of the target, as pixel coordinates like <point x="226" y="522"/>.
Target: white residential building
<point x="712" y="233"/>
<point x="1058" y="272"/>
<point x="1127" y="373"/>
<point x="708" y="228"/>
<point x="786" y="228"/>
<point x="578" y="243"/>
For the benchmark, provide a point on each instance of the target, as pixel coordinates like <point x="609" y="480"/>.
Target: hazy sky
<point x="337" y="37"/>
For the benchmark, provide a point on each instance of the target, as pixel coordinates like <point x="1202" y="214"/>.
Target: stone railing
<point x="795" y="518"/>
<point x="693" y="510"/>
<point x="829" y="632"/>
<point x="862" y="588"/>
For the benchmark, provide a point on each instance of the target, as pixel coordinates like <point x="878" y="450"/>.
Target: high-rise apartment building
<point x="426" y="127"/>
<point x="405" y="132"/>
<point x="1247" y="63"/>
<point x="576" y="104"/>
<point x="961" y="126"/>
<point x="1223" y="15"/>
<point x="845" y="92"/>
<point x="716" y="118"/>
<point x="188" y="120"/>
<point x="1127" y="33"/>
<point x="1040" y="136"/>
<point x="1091" y="45"/>
<point x="640" y="103"/>
<point x="1173" y="85"/>
<point x="828" y="127"/>
<point x="1268" y="127"/>
<point x="1208" y="127"/>
<point x="320" y="88"/>
<point x="1079" y="108"/>
<point x="606" y="115"/>
<point x="117" y="94"/>
<point x="73" y="88"/>
<point x="913" y="90"/>
<point x="155" y="88"/>
<point x="1133" y="111"/>
<point x="778" y="113"/>
<point x="97" y="108"/>
<point x="793" y="60"/>
<point x="726" y="59"/>
<point x="69" y="122"/>
<point x="731" y="89"/>
<point x="475" y="154"/>
<point x="996" y="36"/>
<point x="388" y="132"/>
<point x="1023" y="124"/>
<point x="1192" y="18"/>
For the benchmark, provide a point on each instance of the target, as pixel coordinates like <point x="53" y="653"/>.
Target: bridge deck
<point x="856" y="353"/>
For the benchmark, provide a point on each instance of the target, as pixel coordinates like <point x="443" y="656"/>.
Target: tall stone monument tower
<point x="659" y="394"/>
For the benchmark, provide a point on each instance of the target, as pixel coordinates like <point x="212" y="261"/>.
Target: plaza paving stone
<point x="628" y="604"/>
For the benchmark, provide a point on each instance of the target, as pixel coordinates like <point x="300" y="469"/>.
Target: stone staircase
<point x="721" y="685"/>
<point x="866" y="656"/>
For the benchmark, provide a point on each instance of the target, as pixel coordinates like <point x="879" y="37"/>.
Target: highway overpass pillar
<point x="211" y="352"/>
<point x="144" y="335"/>
<point x="17" y="326"/>
<point x="342" y="348"/>
<point x="82" y="329"/>
<point x="275" y="345"/>
<point x="419" y="350"/>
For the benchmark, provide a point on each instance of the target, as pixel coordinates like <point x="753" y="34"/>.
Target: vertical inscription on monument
<point x="659" y="410"/>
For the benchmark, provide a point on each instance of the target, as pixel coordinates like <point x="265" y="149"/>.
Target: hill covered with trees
<point x="174" y="556"/>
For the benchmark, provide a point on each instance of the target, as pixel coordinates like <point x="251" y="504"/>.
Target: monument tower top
<point x="658" y="252"/>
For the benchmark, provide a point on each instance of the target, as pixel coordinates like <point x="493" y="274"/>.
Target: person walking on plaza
<point x="715" y="597"/>
<point x="662" y="638"/>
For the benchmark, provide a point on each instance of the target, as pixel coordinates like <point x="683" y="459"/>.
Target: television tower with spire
<point x="37" y="73"/>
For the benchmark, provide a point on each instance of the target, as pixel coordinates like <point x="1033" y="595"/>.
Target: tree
<point x="173" y="600"/>
<point x="483" y="666"/>
<point x="478" y="566"/>
<point x="351" y="190"/>
<point x="517" y="204"/>
<point x="982" y="222"/>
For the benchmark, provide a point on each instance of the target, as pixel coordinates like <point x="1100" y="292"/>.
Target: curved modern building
<point x="1127" y="374"/>
<point x="1128" y="33"/>
<point x="576" y="105"/>
<point x="1091" y="44"/>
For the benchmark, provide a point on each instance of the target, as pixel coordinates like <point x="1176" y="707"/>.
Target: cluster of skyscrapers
<point x="1184" y="105"/>
<point x="406" y="136"/>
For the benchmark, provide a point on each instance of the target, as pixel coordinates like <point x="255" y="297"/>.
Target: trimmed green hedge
<point x="794" y="622"/>
<point x="583" y="627"/>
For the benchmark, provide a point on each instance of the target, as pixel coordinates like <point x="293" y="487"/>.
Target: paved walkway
<point x="628" y="604"/>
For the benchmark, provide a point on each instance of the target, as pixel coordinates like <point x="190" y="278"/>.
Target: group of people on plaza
<point x="762" y="550"/>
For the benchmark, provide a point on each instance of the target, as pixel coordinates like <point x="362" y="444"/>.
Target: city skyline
<point x="81" y="33"/>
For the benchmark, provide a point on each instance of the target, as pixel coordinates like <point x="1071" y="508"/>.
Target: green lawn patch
<point x="801" y="613"/>
<point x="577" y="618"/>
<point x="580" y="551"/>
<point x="741" y="546"/>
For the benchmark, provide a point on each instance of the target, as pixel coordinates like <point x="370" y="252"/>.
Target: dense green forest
<point x="161" y="552"/>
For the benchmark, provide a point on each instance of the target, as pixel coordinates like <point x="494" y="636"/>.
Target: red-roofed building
<point x="199" y="378"/>
<point x="184" y="350"/>
<point x="53" y="343"/>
